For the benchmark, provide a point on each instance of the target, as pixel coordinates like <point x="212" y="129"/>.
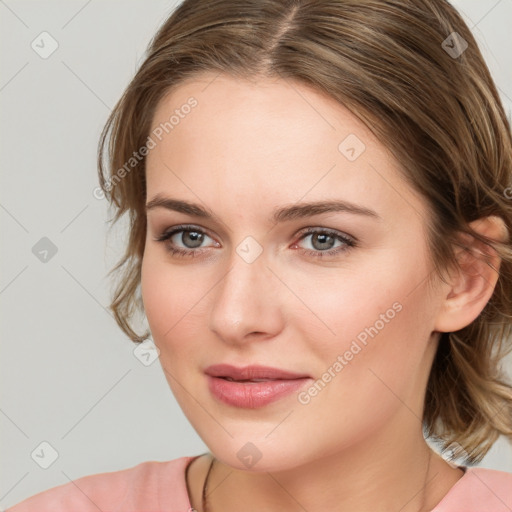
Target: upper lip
<point x="252" y="372"/>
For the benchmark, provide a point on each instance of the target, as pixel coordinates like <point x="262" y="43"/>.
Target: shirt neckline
<point x="453" y="489"/>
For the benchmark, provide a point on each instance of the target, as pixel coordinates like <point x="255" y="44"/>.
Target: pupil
<point x="325" y="241"/>
<point x="195" y="237"/>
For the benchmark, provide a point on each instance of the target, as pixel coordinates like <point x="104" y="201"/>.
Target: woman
<point x="319" y="197"/>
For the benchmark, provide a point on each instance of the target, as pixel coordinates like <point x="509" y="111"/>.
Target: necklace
<point x="205" y="486"/>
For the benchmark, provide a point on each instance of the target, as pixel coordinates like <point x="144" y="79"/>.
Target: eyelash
<point x="348" y="241"/>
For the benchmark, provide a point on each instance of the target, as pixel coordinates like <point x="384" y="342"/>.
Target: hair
<point x="438" y="111"/>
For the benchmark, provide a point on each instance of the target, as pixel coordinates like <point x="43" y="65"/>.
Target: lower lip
<point x="251" y="395"/>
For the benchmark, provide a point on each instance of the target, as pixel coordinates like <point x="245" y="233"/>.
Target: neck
<point x="389" y="473"/>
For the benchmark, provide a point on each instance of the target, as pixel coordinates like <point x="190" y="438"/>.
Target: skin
<point x="246" y="149"/>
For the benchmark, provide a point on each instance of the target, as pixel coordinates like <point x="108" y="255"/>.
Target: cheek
<point x="176" y="301"/>
<point x="359" y="302"/>
<point x="374" y="366"/>
<point x="167" y="296"/>
<point x="374" y="320"/>
<point x="385" y="354"/>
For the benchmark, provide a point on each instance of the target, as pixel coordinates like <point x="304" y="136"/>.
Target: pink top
<point x="161" y="487"/>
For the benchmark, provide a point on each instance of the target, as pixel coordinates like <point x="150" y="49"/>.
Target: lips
<point x="252" y="386"/>
<point x="251" y="373"/>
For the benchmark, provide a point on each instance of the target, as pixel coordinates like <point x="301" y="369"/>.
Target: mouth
<point x="252" y="373"/>
<point x="252" y="387"/>
<point x="245" y="380"/>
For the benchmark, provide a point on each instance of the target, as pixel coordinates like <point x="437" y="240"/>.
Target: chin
<point x="259" y="454"/>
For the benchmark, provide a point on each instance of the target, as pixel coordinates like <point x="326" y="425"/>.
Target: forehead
<point x="265" y="107"/>
<point x="273" y="139"/>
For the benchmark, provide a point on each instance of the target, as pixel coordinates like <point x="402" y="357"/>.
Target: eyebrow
<point x="286" y="213"/>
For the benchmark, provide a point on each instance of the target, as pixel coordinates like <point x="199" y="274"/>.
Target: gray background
<point x="68" y="375"/>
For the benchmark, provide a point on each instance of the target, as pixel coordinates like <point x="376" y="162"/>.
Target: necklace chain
<point x="204" y="499"/>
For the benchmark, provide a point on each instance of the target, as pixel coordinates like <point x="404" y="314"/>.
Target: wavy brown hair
<point x="401" y="66"/>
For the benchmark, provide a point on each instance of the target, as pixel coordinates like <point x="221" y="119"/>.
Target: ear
<point x="470" y="287"/>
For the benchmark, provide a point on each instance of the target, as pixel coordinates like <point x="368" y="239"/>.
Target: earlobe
<point x="472" y="284"/>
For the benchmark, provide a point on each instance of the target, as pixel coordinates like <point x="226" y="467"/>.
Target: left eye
<point x="323" y="242"/>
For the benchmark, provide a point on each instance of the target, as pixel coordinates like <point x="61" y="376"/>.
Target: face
<point x="283" y="242"/>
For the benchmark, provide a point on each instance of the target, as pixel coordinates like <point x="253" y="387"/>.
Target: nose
<point x="246" y="303"/>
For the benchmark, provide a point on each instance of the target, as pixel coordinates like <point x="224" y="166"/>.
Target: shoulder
<point x="148" y="485"/>
<point x="479" y="490"/>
